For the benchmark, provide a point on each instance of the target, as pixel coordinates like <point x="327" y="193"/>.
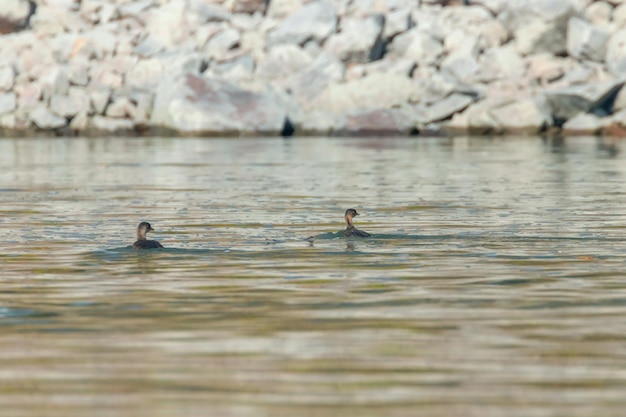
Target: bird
<point x="142" y="242"/>
<point x="350" y="229"/>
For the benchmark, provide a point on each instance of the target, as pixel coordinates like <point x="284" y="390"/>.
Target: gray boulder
<point x="583" y="124"/>
<point x="7" y="78"/>
<point x="281" y="62"/>
<point x="445" y="108"/>
<point x="526" y="116"/>
<point x="586" y="41"/>
<point x="359" y="40"/>
<point x="616" y="53"/>
<point x="378" y="122"/>
<point x="309" y="82"/>
<point x="596" y="98"/>
<point x="70" y="105"/>
<point x="44" y="119"/>
<point x="193" y="105"/>
<point x="313" y="21"/>
<point x="8" y="102"/>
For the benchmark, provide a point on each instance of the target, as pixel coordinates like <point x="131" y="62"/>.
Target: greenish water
<point x="494" y="284"/>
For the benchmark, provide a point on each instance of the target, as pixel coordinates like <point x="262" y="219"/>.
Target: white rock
<point x="45" y="119"/>
<point x="28" y="95"/>
<point x="238" y="68"/>
<point x="599" y="13"/>
<point x="619" y="15"/>
<point x="309" y="82"/>
<point x="315" y="20"/>
<point x="522" y="116"/>
<point x="359" y="40"/>
<point x="193" y="105"/>
<point x="101" y="124"/>
<point x="583" y="123"/>
<point x="221" y="43"/>
<point x="417" y="45"/>
<point x="70" y="105"/>
<point x="396" y="22"/>
<point x="585" y="41"/>
<point x="281" y="62"/>
<point x="372" y="92"/>
<point x="146" y="73"/>
<point x="616" y="53"/>
<point x="15" y="10"/>
<point x="7" y="78"/>
<point x="99" y="99"/>
<point x="120" y="107"/>
<point x="504" y="61"/>
<point x="8" y="102"/>
<point x="445" y="108"/>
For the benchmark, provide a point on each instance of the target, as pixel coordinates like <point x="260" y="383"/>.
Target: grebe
<point x="351" y="230"/>
<point x="142" y="242"/>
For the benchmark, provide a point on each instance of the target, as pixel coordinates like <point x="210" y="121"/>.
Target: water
<point x="493" y="286"/>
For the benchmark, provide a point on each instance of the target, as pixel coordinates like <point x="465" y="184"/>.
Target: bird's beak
<point x="150" y="229"/>
<point x="356" y="214"/>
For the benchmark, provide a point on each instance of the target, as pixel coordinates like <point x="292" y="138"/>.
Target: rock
<point x="321" y="123"/>
<point x="238" y="68"/>
<point x="50" y="20"/>
<point x="80" y="121"/>
<point x="585" y="41"/>
<point x="14" y="15"/>
<point x="525" y="116"/>
<point x="45" y="119"/>
<point x="309" y="82"/>
<point x="619" y="15"/>
<point x="8" y="102"/>
<point x="616" y="53"/>
<point x="101" y="124"/>
<point x="372" y="92"/>
<point x="7" y="78"/>
<point x="539" y="25"/>
<point x="396" y="22"/>
<point x="546" y="68"/>
<point x="378" y="122"/>
<point x="599" y="13"/>
<point x="70" y="105"/>
<point x="315" y="20"/>
<point x="28" y="95"/>
<point x="54" y="81"/>
<point x="583" y="123"/>
<point x="221" y="43"/>
<point x="281" y="62"/>
<point x="166" y="25"/>
<point x="445" y="108"/>
<point x="417" y="45"/>
<point x="78" y="72"/>
<point x="99" y="99"/>
<point x="593" y="98"/>
<point x="501" y="62"/>
<point x="359" y="40"/>
<point x="279" y="9"/>
<point x="193" y="105"/>
<point x="464" y="69"/>
<point x="249" y="6"/>
<point x="120" y="107"/>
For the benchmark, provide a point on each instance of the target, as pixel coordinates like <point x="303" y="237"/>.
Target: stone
<point x="78" y="72"/>
<point x="120" y="107"/>
<point x="445" y="108"/>
<point x="590" y="98"/>
<point x="598" y="13"/>
<point x="279" y="9"/>
<point x="378" y="122"/>
<point x="502" y="62"/>
<point x="281" y="62"/>
<point x="315" y="20"/>
<point x="100" y="124"/>
<point x="464" y="69"/>
<point x="7" y="78"/>
<point x="309" y="82"/>
<point x="221" y="43"/>
<point x="583" y="123"/>
<point x="396" y="22"/>
<point x="45" y="119"/>
<point x="193" y="105"/>
<point x="28" y="95"/>
<point x="70" y="105"/>
<point x="619" y="15"/>
<point x="99" y="99"/>
<point x="359" y="40"/>
<point x="417" y="45"/>
<point x="80" y="121"/>
<point x="545" y="68"/>
<point x="585" y="41"/>
<point x="616" y="53"/>
<point x="525" y="116"/>
<point x="8" y="102"/>
<point x="146" y="73"/>
<point x="539" y="25"/>
<point x="14" y="15"/>
<point x="249" y="6"/>
<point x="372" y="92"/>
<point x="54" y="81"/>
<point x="237" y="68"/>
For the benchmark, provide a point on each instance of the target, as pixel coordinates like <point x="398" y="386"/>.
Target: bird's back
<point x="353" y="231"/>
<point x="147" y="244"/>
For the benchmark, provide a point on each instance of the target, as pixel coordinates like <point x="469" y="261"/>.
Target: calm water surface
<point x="494" y="284"/>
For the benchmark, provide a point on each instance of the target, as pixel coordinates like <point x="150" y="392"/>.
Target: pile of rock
<point x="312" y="66"/>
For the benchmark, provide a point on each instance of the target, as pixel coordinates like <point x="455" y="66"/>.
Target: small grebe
<point x="142" y="242"/>
<point x="351" y="230"/>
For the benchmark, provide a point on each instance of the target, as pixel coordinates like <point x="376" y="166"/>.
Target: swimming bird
<point x="351" y="230"/>
<point x="142" y="242"/>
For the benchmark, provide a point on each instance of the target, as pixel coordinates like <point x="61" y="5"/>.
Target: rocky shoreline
<point x="306" y="67"/>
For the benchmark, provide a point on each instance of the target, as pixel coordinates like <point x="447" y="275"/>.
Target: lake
<point x="494" y="283"/>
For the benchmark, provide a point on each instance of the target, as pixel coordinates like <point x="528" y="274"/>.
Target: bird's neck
<point x="349" y="222"/>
